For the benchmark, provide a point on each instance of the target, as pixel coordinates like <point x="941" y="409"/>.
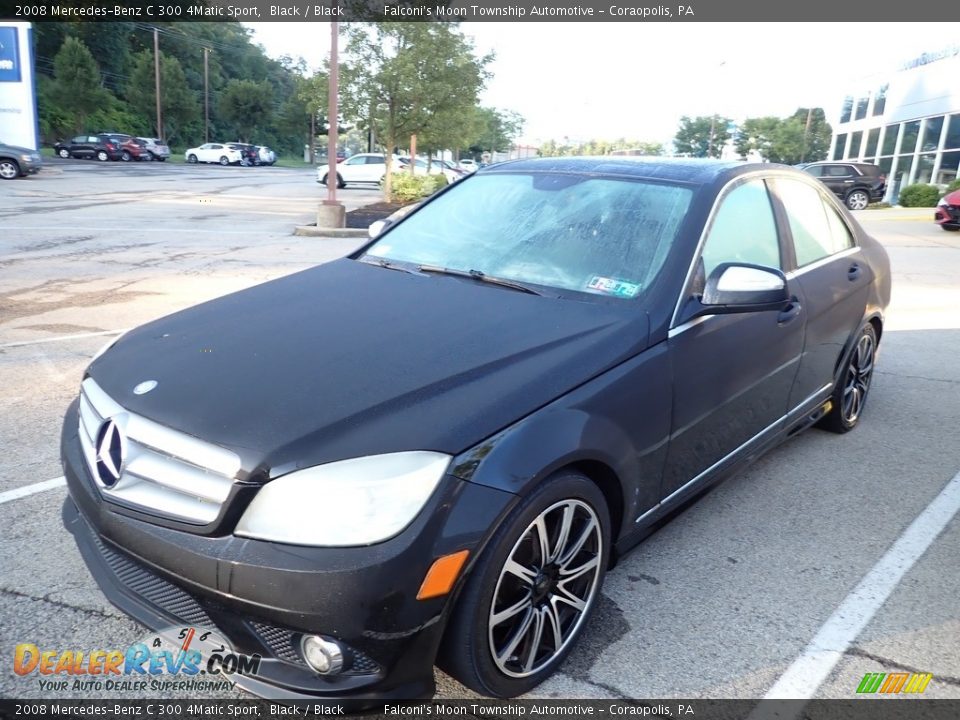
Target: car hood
<point x="953" y="198"/>
<point x="348" y="359"/>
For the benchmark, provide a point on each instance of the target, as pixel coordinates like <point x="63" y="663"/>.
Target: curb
<point x="314" y="231"/>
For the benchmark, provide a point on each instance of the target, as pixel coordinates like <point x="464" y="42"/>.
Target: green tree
<point x="246" y="106"/>
<point x="787" y="140"/>
<point x="77" y="86"/>
<point x="499" y="130"/>
<point x="397" y="75"/>
<point x="179" y="105"/>
<point x="702" y="136"/>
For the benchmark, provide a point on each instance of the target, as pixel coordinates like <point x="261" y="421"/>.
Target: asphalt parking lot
<point x="812" y="553"/>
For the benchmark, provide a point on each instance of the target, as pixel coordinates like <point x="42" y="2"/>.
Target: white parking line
<point x="58" y="338"/>
<point x="29" y="490"/>
<point x="808" y="672"/>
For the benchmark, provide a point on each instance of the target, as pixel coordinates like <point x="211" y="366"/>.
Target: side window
<point x="817" y="230"/>
<point x="79" y="140"/>
<point x="375" y="160"/>
<point x="839" y="170"/>
<point x="356" y="161"/>
<point x="743" y="230"/>
<point x="816" y="170"/>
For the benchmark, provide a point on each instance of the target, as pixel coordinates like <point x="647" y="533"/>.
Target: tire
<point x="192" y="159"/>
<point x="949" y="228"/>
<point x="500" y="653"/>
<point x="64" y="153"/>
<point x="126" y="156"/>
<point x="9" y="169"/>
<point x="850" y="394"/>
<point x="857" y="199"/>
<point x="340" y="183"/>
<point x="102" y="156"/>
<point x="224" y="160"/>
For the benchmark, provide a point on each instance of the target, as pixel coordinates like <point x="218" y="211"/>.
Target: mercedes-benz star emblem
<point x="144" y="387"/>
<point x="110" y="453"/>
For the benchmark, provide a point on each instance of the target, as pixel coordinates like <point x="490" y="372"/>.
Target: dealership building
<point x="908" y="124"/>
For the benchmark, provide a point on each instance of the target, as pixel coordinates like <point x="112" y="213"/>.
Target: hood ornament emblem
<point x="144" y="387"/>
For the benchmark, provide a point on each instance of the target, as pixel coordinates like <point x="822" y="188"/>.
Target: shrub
<point x="407" y="188"/>
<point x="919" y="195"/>
<point x="955" y="185"/>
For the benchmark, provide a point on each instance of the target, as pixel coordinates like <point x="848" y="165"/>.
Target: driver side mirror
<point x="741" y="288"/>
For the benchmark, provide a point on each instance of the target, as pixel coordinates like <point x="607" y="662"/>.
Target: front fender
<point x="617" y="424"/>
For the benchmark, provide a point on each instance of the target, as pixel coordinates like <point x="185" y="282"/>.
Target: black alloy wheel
<point x="850" y="394"/>
<point x="532" y="591"/>
<point x="102" y="156"/>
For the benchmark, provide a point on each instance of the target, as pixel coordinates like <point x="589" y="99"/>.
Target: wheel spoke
<point x="563" y="595"/>
<point x="512" y="611"/>
<point x="533" y="645"/>
<point x="553" y="622"/>
<point x="569" y="575"/>
<point x="504" y="655"/>
<point x="566" y="522"/>
<point x="543" y="540"/>
<point x="578" y="544"/>
<point x="525" y="574"/>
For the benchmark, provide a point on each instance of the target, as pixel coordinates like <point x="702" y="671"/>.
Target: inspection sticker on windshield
<point x="610" y="286"/>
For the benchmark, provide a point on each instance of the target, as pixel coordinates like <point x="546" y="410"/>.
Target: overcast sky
<point x="635" y="80"/>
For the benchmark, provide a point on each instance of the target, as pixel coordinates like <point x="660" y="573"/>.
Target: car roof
<point x="687" y="170"/>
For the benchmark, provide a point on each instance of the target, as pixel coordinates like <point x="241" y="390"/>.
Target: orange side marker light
<point x="442" y="575"/>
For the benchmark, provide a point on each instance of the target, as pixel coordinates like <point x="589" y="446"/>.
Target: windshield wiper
<point x="479" y="275"/>
<point x="384" y="263"/>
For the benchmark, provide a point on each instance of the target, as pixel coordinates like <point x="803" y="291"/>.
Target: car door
<point x="833" y="278"/>
<point x="374" y="168"/>
<point x="732" y="374"/>
<point x="83" y="146"/>
<point x="353" y="169"/>
<point x="839" y="178"/>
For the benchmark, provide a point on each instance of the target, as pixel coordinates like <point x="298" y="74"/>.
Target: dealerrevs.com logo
<point x="175" y="659"/>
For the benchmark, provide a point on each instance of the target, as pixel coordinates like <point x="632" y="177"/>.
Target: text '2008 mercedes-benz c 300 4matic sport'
<point x="431" y="451"/>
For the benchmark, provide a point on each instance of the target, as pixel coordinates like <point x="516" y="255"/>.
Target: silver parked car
<point x="157" y="148"/>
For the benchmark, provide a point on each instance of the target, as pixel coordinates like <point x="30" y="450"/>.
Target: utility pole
<point x="156" y="72"/>
<point x="330" y="213"/>
<point x="206" y="94"/>
<point x="806" y="133"/>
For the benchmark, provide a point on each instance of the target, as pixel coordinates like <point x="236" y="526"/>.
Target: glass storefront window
<point x="904" y="163"/>
<point x="953" y="132"/>
<point x="862" y="108"/>
<point x="880" y="100"/>
<point x="911" y="131"/>
<point x="948" y="168"/>
<point x="847" y="109"/>
<point x="925" y="168"/>
<point x="890" y="140"/>
<point x="855" y="140"/>
<point x="841" y="144"/>
<point x="873" y="139"/>
<point x="885" y="164"/>
<point x="931" y="134"/>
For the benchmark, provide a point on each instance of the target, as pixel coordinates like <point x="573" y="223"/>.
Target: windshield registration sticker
<point x="611" y="286"/>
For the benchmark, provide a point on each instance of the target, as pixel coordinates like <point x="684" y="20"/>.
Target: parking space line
<point x="808" y="672"/>
<point x="29" y="490"/>
<point x="58" y="338"/>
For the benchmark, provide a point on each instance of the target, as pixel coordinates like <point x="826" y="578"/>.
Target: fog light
<point x="323" y="655"/>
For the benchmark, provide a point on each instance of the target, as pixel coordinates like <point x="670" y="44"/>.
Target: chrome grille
<point x="164" y="472"/>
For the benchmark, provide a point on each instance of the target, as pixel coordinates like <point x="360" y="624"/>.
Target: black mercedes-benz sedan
<point x="431" y="451"/>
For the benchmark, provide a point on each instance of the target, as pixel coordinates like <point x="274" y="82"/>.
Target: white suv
<point x="213" y="153"/>
<point x="362" y="168"/>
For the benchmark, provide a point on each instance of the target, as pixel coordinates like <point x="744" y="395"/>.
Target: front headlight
<point x="360" y="501"/>
<point x="943" y="202"/>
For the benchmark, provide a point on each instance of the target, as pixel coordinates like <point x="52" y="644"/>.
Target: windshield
<point x="585" y="234"/>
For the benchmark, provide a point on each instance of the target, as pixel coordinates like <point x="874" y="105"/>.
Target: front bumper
<point x="262" y="596"/>
<point x="30" y="167"/>
<point x="947" y="215"/>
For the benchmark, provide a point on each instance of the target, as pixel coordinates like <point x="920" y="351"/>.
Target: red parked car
<point x="131" y="148"/>
<point x="947" y="214"/>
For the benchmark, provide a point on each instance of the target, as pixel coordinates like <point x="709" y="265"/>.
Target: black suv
<point x="248" y="153"/>
<point x="101" y="146"/>
<point x="857" y="184"/>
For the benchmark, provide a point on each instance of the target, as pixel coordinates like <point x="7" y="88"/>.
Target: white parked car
<point x="436" y="167"/>
<point x="267" y="156"/>
<point x="362" y="168"/>
<point x="468" y="164"/>
<point x="213" y="153"/>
